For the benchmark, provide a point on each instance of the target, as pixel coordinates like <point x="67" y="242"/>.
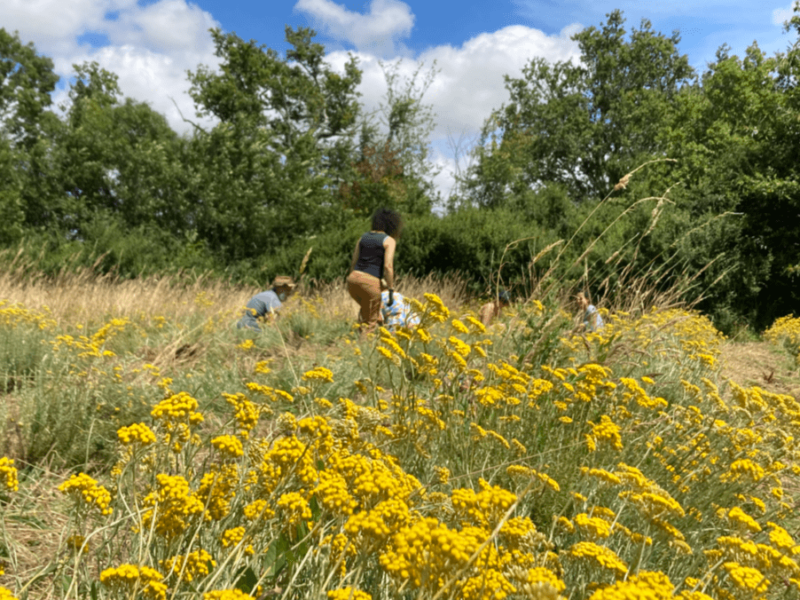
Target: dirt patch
<point x="761" y="364"/>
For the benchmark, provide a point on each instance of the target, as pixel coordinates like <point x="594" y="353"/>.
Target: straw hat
<point x="283" y="281"/>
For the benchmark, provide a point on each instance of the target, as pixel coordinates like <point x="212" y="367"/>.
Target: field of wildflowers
<point x="171" y="456"/>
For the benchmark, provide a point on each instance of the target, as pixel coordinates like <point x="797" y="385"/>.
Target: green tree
<point x="267" y="173"/>
<point x="12" y="215"/>
<point x="26" y="83"/>
<point x="582" y="125"/>
<point x="119" y="158"/>
<point x="27" y="126"/>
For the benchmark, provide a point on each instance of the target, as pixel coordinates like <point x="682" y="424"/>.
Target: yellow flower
<point x="348" y="593"/>
<point x="8" y="474"/>
<point x="459" y="326"/>
<point x="599" y="555"/>
<point x="738" y="516"/>
<point x="176" y="506"/>
<point x="645" y="585"/>
<point x="592" y="527"/>
<point x="295" y="508"/>
<point x="228" y="445"/>
<point x="747" y="578"/>
<point x="84" y="487"/>
<point x="136" y="433"/>
<point x="194" y="565"/>
<point x="319" y="374"/>
<point x="227" y="595"/>
<point x="127" y="577"/>
<point x="77" y="543"/>
<point x="5" y="594"/>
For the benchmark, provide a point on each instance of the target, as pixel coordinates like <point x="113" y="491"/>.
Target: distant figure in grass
<point x="267" y="304"/>
<point x="592" y="321"/>
<point x="397" y="313"/>
<point x="373" y="260"/>
<point x="492" y="310"/>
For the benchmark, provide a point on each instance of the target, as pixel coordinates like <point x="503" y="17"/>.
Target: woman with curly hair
<point x="373" y="260"/>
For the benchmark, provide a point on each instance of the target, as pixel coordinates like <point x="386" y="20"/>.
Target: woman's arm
<point x="388" y="261"/>
<point x="355" y="256"/>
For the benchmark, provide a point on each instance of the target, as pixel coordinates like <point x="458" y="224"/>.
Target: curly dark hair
<point x="388" y="221"/>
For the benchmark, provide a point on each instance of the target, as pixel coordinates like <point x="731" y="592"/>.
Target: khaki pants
<point x="366" y="290"/>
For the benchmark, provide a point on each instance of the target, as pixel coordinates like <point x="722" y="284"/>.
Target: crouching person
<point x="267" y="305"/>
<point x="395" y="310"/>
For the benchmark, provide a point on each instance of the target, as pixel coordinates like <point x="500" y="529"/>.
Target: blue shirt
<point x="259" y="305"/>
<point x="398" y="314"/>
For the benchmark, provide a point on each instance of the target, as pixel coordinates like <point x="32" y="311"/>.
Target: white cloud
<point x="150" y="47"/>
<point x="152" y="77"/>
<point x="781" y="15"/>
<point x="470" y="79"/>
<point x="470" y="82"/>
<point x="169" y="26"/>
<point x="377" y="31"/>
<point x="54" y="25"/>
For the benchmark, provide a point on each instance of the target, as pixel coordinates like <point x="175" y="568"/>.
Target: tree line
<point x="628" y="161"/>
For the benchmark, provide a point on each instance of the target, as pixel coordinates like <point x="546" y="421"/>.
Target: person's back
<point x="371" y="254"/>
<point x="399" y="314"/>
<point x="489" y="311"/>
<point x="259" y="306"/>
<point x="373" y="259"/>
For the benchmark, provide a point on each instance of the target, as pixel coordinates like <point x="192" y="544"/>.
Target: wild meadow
<point x="149" y="449"/>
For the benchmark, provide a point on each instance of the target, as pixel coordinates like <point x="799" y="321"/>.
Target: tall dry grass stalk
<point x="85" y="296"/>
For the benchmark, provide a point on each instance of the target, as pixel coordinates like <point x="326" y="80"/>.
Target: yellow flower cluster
<point x="246" y="413"/>
<point x="5" y="594"/>
<point x="227" y="595"/>
<point x="321" y="374"/>
<point x="294" y="508"/>
<point x="601" y="556"/>
<point x="786" y="331"/>
<point x="176" y="506"/>
<point x="229" y="446"/>
<point x="605" y="432"/>
<point x="12" y="315"/>
<point x="194" y="565"/>
<point x="348" y="593"/>
<point x="8" y="474"/>
<point x="93" y="495"/>
<point x="129" y="579"/>
<point x="177" y="413"/>
<point x="136" y="433"/>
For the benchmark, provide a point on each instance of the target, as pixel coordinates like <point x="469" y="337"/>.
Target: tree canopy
<point x="635" y="161"/>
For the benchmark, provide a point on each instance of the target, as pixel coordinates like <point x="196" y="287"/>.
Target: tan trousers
<point x="366" y="290"/>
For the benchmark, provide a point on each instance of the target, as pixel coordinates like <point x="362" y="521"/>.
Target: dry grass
<point x="760" y="364"/>
<point x="87" y="297"/>
<point x="36" y="520"/>
<point x="336" y="301"/>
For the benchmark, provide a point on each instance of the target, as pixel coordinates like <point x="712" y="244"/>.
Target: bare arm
<point x="388" y="261"/>
<point x="355" y="256"/>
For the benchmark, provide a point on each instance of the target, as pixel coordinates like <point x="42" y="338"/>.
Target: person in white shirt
<point x="395" y="310"/>
<point x="592" y="321"/>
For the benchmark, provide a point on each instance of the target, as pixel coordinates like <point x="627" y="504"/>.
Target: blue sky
<point x="150" y="44"/>
<point x="704" y="24"/>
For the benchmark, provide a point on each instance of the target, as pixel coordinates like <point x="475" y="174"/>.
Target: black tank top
<point x="370" y="254"/>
